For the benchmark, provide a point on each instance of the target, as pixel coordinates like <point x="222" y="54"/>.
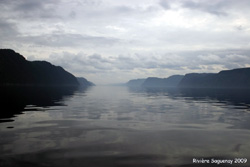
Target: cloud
<point x="72" y="14"/>
<point x="82" y="63"/>
<point x="215" y="7"/>
<point x="227" y="61"/>
<point x="30" y="9"/>
<point x="126" y="38"/>
<point x="183" y="62"/>
<point x="7" y="30"/>
<point x="214" y="61"/>
<point x="68" y="40"/>
<point x="165" y="4"/>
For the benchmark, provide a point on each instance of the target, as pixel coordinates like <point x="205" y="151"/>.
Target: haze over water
<point x="120" y="126"/>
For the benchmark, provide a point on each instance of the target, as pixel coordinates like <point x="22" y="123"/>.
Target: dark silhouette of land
<point x="37" y="83"/>
<point x="236" y="78"/>
<point x="16" y="70"/>
<point x="171" y="81"/>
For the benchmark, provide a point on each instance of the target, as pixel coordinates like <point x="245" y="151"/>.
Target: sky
<point x="113" y="41"/>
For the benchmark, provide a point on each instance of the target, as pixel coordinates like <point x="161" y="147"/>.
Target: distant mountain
<point x="16" y="70"/>
<point x="171" y="81"/>
<point x="236" y="78"/>
<point x="135" y="82"/>
<point x="84" y="82"/>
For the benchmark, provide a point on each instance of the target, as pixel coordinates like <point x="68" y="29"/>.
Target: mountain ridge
<point x="171" y="81"/>
<point x="16" y="70"/>
<point x="234" y="78"/>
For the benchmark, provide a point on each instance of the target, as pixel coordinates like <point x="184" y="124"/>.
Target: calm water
<point x="120" y="126"/>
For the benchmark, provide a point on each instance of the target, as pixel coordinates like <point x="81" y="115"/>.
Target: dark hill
<point x="236" y="78"/>
<point x="171" y="81"/>
<point x="16" y="70"/>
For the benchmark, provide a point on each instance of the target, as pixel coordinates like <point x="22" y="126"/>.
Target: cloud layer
<point x="114" y="41"/>
<point x="96" y="66"/>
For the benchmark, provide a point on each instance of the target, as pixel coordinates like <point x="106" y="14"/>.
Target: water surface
<point x="120" y="126"/>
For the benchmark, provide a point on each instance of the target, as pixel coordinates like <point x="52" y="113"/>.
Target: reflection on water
<point x="119" y="126"/>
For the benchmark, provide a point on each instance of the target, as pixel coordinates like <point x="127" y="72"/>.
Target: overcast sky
<point x="113" y="41"/>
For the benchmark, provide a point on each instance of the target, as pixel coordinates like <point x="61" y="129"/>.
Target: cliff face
<point x="236" y="78"/>
<point x="16" y="70"/>
<point x="171" y="81"/>
<point x="197" y="80"/>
